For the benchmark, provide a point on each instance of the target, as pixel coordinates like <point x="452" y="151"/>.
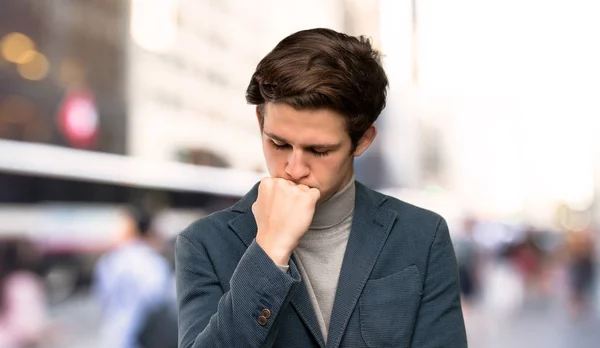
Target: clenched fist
<point x="283" y="212"/>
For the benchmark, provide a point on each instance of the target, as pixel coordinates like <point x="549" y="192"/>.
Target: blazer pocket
<point x="388" y="308"/>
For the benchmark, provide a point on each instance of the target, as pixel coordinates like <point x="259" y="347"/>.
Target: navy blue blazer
<point x="398" y="285"/>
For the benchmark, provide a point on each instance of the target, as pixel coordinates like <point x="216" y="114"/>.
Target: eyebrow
<point x="307" y="146"/>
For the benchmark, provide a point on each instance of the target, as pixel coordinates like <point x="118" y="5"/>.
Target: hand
<point x="283" y="212"/>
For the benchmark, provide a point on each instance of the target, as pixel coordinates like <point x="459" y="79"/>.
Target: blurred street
<point x="544" y="324"/>
<point x="535" y="326"/>
<point x="76" y="323"/>
<point x="122" y="122"/>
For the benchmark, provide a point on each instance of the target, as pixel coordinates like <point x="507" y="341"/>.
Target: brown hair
<point x="321" y="68"/>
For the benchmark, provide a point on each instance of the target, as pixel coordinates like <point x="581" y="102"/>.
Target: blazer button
<point x="266" y="313"/>
<point x="262" y="320"/>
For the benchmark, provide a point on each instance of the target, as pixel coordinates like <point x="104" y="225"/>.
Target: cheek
<point x="327" y="170"/>
<point x="274" y="158"/>
<point x="340" y="162"/>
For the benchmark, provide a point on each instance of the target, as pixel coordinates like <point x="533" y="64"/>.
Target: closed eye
<point x="319" y="153"/>
<point x="315" y="152"/>
<point x="279" y="146"/>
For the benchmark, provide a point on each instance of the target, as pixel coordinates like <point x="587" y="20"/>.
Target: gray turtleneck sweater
<point x="321" y="251"/>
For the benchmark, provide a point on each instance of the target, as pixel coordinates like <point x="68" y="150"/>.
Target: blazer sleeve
<point x="211" y="318"/>
<point x="440" y="320"/>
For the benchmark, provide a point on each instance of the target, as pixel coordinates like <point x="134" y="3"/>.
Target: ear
<point x="365" y="141"/>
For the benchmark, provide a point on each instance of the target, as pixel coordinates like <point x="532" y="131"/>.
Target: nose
<point x="296" y="167"/>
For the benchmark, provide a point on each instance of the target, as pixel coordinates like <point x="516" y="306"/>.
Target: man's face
<point x="310" y="147"/>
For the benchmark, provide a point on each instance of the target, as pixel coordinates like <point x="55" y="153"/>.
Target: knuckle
<point x="315" y="193"/>
<point x="263" y="184"/>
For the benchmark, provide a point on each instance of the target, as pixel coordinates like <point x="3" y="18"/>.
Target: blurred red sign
<point x="78" y="118"/>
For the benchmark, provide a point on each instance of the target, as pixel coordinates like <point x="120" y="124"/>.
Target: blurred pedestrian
<point x="468" y="261"/>
<point x="582" y="270"/>
<point x="131" y="283"/>
<point x="23" y="301"/>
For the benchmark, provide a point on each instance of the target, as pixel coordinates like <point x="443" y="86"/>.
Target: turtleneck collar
<point x="336" y="209"/>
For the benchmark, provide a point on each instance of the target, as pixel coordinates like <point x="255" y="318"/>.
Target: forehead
<point x="304" y="125"/>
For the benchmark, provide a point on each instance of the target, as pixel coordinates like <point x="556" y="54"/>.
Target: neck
<point x="337" y="208"/>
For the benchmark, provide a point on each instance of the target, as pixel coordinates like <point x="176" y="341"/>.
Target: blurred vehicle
<point x="68" y="202"/>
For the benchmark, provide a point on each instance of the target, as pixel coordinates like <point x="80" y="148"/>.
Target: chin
<point x="325" y="196"/>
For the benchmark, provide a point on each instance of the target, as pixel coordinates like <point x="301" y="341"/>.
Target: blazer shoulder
<point x="207" y="228"/>
<point x="418" y="225"/>
<point x="401" y="208"/>
<point x="405" y="210"/>
<point x="415" y="220"/>
<point x="210" y="229"/>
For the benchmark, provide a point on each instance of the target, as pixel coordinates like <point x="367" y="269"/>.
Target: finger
<point x="266" y="185"/>
<point x="263" y="182"/>
<point x="289" y="182"/>
<point x="315" y="193"/>
<point x="267" y="180"/>
<point x="303" y="188"/>
<point x="277" y="180"/>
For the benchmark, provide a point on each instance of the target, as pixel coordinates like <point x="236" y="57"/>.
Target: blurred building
<point x="62" y="76"/>
<point x="190" y="63"/>
<point x="506" y="125"/>
<point x="400" y="131"/>
<point x="62" y="91"/>
<point x="104" y="103"/>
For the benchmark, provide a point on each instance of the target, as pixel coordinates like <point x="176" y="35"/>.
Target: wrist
<point x="279" y="255"/>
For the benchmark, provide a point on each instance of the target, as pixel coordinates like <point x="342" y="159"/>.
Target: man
<point x="132" y="282"/>
<point x="310" y="257"/>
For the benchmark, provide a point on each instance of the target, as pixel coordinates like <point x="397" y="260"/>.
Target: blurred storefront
<point x="63" y="73"/>
<point x="107" y="103"/>
<point x="492" y="115"/>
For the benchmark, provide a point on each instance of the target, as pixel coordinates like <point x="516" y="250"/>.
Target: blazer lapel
<point x="371" y="225"/>
<point x="245" y="224"/>
<point x="245" y="227"/>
